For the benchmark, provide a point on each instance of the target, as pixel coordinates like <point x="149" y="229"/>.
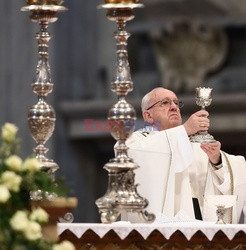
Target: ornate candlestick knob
<point x="122" y="193"/>
<point x="203" y="99"/>
<point x="41" y="116"/>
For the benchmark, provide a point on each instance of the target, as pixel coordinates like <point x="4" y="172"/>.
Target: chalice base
<point x="202" y="137"/>
<point x="220" y="212"/>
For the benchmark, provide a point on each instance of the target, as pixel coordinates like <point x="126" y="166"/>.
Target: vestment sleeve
<point x="232" y="177"/>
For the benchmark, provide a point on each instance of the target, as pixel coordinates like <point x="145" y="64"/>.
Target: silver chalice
<point x="203" y="99"/>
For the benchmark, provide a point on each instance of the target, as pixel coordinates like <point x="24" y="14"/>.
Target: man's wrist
<point x="218" y="164"/>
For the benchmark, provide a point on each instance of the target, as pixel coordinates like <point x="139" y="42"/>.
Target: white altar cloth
<point x="122" y="229"/>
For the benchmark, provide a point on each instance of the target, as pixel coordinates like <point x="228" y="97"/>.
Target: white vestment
<point x="172" y="171"/>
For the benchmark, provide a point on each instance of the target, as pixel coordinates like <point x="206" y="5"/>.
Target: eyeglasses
<point x="166" y="102"/>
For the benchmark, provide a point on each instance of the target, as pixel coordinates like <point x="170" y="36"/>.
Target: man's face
<point x="165" y="111"/>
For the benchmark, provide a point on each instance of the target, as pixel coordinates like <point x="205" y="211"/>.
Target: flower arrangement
<point x="20" y="223"/>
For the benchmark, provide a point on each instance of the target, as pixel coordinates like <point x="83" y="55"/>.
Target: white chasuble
<point x="172" y="171"/>
<point x="163" y="158"/>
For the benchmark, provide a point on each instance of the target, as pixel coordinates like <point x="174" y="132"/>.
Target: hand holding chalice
<point x="203" y="99"/>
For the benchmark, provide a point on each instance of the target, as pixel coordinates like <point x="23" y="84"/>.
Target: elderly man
<point x="173" y="172"/>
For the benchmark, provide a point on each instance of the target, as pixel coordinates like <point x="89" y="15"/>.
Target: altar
<point x="174" y="235"/>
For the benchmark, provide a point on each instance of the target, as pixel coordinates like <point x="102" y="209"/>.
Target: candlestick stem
<point x="121" y="195"/>
<point x="41" y="116"/>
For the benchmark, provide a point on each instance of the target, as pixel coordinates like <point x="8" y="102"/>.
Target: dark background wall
<point x="82" y="57"/>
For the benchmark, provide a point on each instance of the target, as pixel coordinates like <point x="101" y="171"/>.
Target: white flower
<point x="4" y="194"/>
<point x="65" y="245"/>
<point x="31" y="164"/>
<point x="9" y="131"/>
<point x="33" y="231"/>
<point x="19" y="221"/>
<point x="39" y="215"/>
<point x="14" y="163"/>
<point x="11" y="180"/>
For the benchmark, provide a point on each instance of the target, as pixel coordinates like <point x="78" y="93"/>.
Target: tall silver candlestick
<point x="41" y="116"/>
<point x="203" y="99"/>
<point x="121" y="195"/>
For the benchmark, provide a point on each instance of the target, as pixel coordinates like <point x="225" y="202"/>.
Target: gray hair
<point x="147" y="98"/>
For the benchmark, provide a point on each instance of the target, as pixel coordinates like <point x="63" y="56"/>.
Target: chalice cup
<point x="203" y="99"/>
